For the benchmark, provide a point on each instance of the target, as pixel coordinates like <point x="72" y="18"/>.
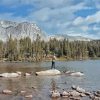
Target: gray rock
<point x="73" y="87"/>
<point x="97" y="94"/>
<point x="82" y="95"/>
<point x="92" y="96"/>
<point x="81" y="90"/>
<point x="74" y="93"/>
<point x="98" y="91"/>
<point x="96" y="98"/>
<point x="88" y="93"/>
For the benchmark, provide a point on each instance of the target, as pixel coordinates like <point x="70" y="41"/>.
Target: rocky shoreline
<point x="76" y="93"/>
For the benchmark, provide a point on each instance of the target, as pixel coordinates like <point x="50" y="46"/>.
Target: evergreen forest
<point x="38" y="50"/>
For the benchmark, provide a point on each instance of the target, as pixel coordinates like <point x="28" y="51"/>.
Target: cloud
<point x="97" y="3"/>
<point x="89" y="25"/>
<point x="57" y="16"/>
<point x="78" y="21"/>
<point x="95" y="18"/>
<point x="96" y="28"/>
<point x="56" y="19"/>
<point x="10" y="17"/>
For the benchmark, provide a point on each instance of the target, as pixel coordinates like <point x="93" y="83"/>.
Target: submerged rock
<point x="75" y="98"/>
<point x="55" y="94"/>
<point x="29" y="96"/>
<point x="69" y="72"/>
<point x="22" y="92"/>
<point x="77" y="74"/>
<point x="65" y="93"/>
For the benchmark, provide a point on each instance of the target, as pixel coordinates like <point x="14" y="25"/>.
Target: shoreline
<point x="48" y="60"/>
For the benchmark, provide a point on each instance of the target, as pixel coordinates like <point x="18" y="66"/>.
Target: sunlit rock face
<point x="19" y="30"/>
<point x="24" y="29"/>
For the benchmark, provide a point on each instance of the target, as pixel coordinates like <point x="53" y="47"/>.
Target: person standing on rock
<point x="53" y="62"/>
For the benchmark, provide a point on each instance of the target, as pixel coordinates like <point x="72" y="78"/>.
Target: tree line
<point x="37" y="50"/>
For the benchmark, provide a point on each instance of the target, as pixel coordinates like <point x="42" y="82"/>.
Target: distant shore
<point x="58" y="59"/>
<point x="64" y="59"/>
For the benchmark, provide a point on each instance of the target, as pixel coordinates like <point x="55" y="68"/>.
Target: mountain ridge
<point x="70" y="38"/>
<point x="19" y="30"/>
<point x="23" y="29"/>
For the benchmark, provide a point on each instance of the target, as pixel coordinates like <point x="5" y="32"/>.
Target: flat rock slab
<point x="49" y="72"/>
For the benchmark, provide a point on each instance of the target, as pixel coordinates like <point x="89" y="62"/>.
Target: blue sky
<point x="71" y="17"/>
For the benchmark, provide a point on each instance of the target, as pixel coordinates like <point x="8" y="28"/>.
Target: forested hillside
<point x="37" y="50"/>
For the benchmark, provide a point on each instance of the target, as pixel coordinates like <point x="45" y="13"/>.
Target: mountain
<point x="19" y="30"/>
<point x="70" y="38"/>
<point x="24" y="29"/>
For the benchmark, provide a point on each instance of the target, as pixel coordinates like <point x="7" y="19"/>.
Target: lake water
<point x="43" y="84"/>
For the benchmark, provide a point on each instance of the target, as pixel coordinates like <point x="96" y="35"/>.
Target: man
<point x="53" y="62"/>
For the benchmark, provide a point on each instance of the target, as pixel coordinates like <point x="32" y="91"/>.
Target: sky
<point x="70" y="17"/>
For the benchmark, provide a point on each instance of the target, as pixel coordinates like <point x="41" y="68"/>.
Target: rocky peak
<point x="19" y="30"/>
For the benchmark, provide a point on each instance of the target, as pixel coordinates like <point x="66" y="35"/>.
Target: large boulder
<point x="49" y="72"/>
<point x="9" y="75"/>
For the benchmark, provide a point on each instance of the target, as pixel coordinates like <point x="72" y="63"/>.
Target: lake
<point x="40" y="86"/>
